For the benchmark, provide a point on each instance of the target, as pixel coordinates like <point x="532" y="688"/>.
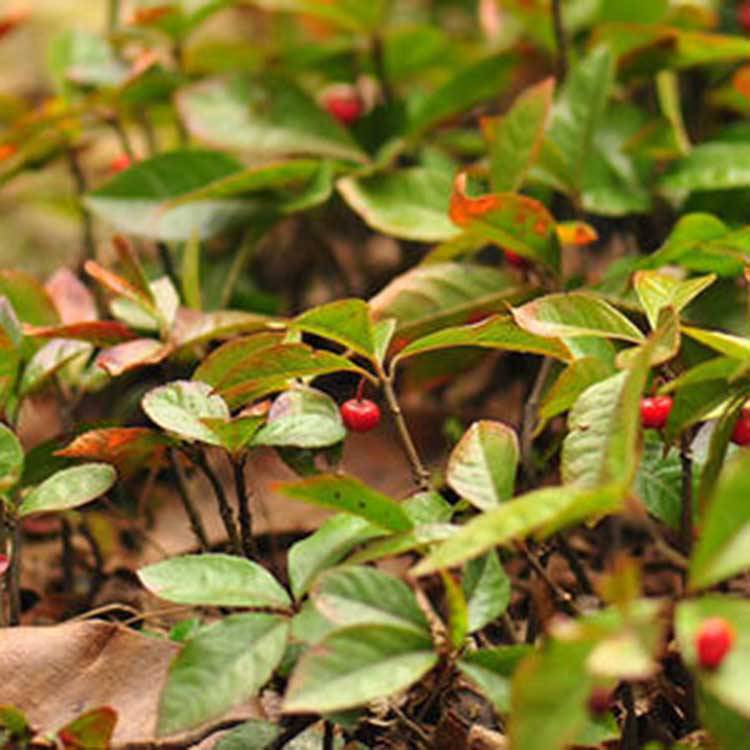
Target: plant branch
<point x="14" y="575"/>
<point x="225" y="509"/>
<point x="560" y="40"/>
<point x="243" y="505"/>
<point x="68" y="555"/>
<point x="87" y="222"/>
<point x="563" y="596"/>
<point x="196" y="524"/>
<point x="528" y="421"/>
<point x="686" y="514"/>
<point x="420" y="473"/>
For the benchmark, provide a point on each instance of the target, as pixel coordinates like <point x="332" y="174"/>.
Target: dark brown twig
<point x="68" y="555"/>
<point x="14" y="576"/>
<point x="686" y="514"/>
<point x="196" y="524"/>
<point x="560" y="40"/>
<point x="87" y="223"/>
<point x="243" y="506"/>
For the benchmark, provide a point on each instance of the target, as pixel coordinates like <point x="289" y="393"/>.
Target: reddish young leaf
<point x="577" y="233"/>
<point x="126" y="448"/>
<point x="98" y="332"/>
<point x="133" y="354"/>
<point x="132" y="270"/>
<point x="90" y="731"/>
<point x="117" y="284"/>
<point x="73" y="300"/>
<point x="149" y="16"/>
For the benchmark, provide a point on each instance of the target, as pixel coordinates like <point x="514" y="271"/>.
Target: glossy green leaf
<point x="516" y="137"/>
<point x="723" y="548"/>
<point x="710" y="166"/>
<point x="491" y="670"/>
<point x="137" y="200"/>
<point x="222" y="360"/>
<point x="235" y="656"/>
<point x="657" y="290"/>
<point x="69" y="488"/>
<point x="482" y="466"/>
<point x="727" y="683"/>
<point x="302" y="418"/>
<point x="179" y="407"/>
<point x="658" y="483"/>
<point x="266" y="119"/>
<point x="572" y="382"/>
<point x="357" y="595"/>
<point x="351" y="496"/>
<point x="10" y="349"/>
<point x="420" y="538"/>
<point x="539" y="512"/>
<point x="579" y="109"/>
<point x="213" y="580"/>
<point x="494" y="333"/>
<point x="694" y="403"/>
<point x="487" y="589"/>
<point x="346" y="322"/>
<point x="726" y="727"/>
<point x="48" y="360"/>
<point x="575" y="314"/>
<point x="11" y="459"/>
<point x="355" y="665"/>
<point x="432" y="297"/>
<point x="194" y="327"/>
<point x="473" y="85"/>
<point x="736" y="347"/>
<point x="410" y="203"/>
<point x="663" y="344"/>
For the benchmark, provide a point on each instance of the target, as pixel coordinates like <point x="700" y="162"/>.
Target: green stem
<point x="87" y="222"/>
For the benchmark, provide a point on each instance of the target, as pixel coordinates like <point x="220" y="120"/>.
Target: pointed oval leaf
<point x="92" y="730"/>
<point x="235" y="657"/>
<point x="575" y="314"/>
<point x="491" y="669"/>
<point x="72" y="299"/>
<point x="131" y="355"/>
<point x="356" y="595"/>
<point x="355" y="665"/>
<point x="657" y="290"/>
<point x="482" y="466"/>
<point x="736" y="347"/>
<point x="48" y="360"/>
<point x="98" y="332"/>
<point x="69" y="488"/>
<point x="179" y="407"/>
<point x="213" y="580"/>
<point x="11" y="459"/>
<point x="487" y="590"/>
<point x="345" y="321"/>
<point x="572" y="382"/>
<point x="351" y="496"/>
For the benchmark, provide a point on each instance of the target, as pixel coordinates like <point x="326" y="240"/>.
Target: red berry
<point x="655" y="411"/>
<point x="713" y="641"/>
<point x="360" y="415"/>
<point x="4" y="564"/>
<point x="515" y="260"/>
<point x="120" y="163"/>
<point x="741" y="431"/>
<point x="600" y="700"/>
<point x="344" y="104"/>
<point x="743" y="16"/>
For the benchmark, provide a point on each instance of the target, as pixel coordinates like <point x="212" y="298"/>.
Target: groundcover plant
<point x="502" y="241"/>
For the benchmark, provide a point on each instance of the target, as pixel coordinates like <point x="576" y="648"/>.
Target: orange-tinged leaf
<point x="12" y="20"/>
<point x="148" y="16"/>
<point x="741" y="81"/>
<point x="90" y="731"/>
<point x="116" y="284"/>
<point x="72" y="299"/>
<point x="126" y="448"/>
<point x="99" y="332"/>
<point x="577" y="233"/>
<point x="7" y="150"/>
<point x="132" y="354"/>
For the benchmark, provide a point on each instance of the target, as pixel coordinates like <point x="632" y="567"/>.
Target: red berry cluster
<point x="713" y="641"/>
<point x="655" y="411"/>
<point x="360" y="414"/>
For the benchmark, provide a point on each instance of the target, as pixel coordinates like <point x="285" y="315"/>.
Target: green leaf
<point x="710" y="166"/>
<point x="11" y="459"/>
<point x="222" y="360"/>
<point x="138" y="200"/>
<point x="10" y="349"/>
<point x="179" y="407"/>
<point x="351" y="15"/>
<point x="491" y="670"/>
<point x="602" y="444"/>
<point x="458" y="610"/>
<point x="516" y="137"/>
<point x="432" y="297"/>
<point x="657" y="290"/>
<point x="578" y="110"/>
<point x="302" y="418"/>
<point x="474" y="84"/>
<point x="235" y="656"/>
<point x="509" y="220"/>
<point x="92" y="730"/>
<point x="356" y="595"/>
<point x="572" y="382"/>
<point x="255" y="734"/>
<point x="410" y="203"/>
<point x="28" y="298"/>
<point x="735" y="347"/>
<point x="487" y="589"/>
<point x="693" y="403"/>
<point x="48" y="360"/>
<point x="345" y="321"/>
<point x="191" y="273"/>
<point x="69" y="488"/>
<point x="325" y="548"/>
<point x="355" y="665"/>
<point x="265" y="119"/>
<point x="658" y="483"/>
<point x="728" y="684"/>
<point x="184" y="16"/>
<point x="539" y="512"/>
<point x="351" y="496"/>
<point x="482" y="466"/>
<point x="575" y="314"/>
<point x="213" y="580"/>
<point x="727" y="728"/>
<point x="84" y="59"/>
<point x="420" y="538"/>
<point x="723" y="548"/>
<point x="497" y="332"/>
<point x="548" y="697"/>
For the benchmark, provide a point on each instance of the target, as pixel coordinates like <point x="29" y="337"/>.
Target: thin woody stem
<point x="196" y="524"/>
<point x="14" y="575"/>
<point x="243" y="505"/>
